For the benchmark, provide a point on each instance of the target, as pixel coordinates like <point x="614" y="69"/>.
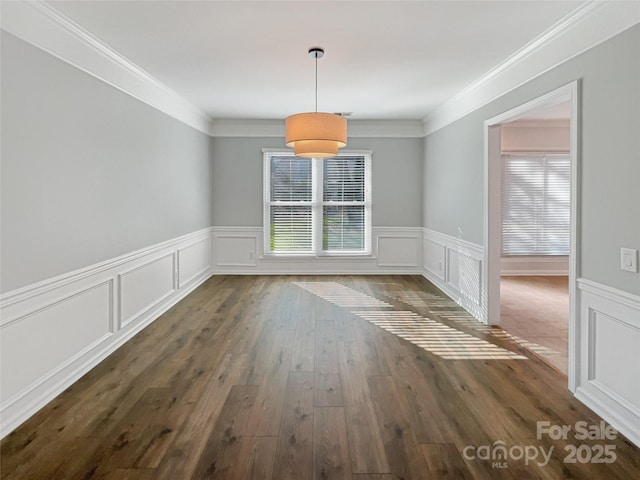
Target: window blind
<point x="536" y="204"/>
<point x="290" y="205"/>
<point x="344" y="192"/>
<point x="317" y="206"/>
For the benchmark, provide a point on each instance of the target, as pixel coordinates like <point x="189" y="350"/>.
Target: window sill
<point x="314" y="257"/>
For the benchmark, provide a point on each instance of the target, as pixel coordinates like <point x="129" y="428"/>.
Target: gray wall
<point x="88" y="172"/>
<point x="396" y="179"/>
<point x="609" y="155"/>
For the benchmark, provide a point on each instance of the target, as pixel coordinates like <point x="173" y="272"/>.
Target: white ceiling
<point x="384" y="59"/>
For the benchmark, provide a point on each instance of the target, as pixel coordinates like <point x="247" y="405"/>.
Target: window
<point x="316" y="206"/>
<point x="536" y="204"/>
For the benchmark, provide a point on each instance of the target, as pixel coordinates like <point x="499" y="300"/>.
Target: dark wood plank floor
<point x="311" y="378"/>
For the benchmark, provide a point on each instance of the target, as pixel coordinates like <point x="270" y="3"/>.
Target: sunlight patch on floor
<point x="448" y="310"/>
<point x="422" y="299"/>
<point x="342" y="296"/>
<point x="534" y="347"/>
<point x="467" y="320"/>
<point x="440" y="339"/>
<point x="435" y="337"/>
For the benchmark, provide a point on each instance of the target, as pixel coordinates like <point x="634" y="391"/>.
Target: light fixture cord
<point x="316" y="56"/>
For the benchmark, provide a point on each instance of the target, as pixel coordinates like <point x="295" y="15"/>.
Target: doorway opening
<point x="530" y="255"/>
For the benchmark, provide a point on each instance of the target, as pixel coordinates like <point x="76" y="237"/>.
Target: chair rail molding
<point x="58" y="329"/>
<point x="608" y="338"/>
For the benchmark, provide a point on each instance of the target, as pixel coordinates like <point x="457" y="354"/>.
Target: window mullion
<point x="266" y="213"/>
<point x="317" y="204"/>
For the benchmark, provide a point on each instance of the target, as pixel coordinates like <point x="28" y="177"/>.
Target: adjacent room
<point x="536" y="230"/>
<point x="364" y="240"/>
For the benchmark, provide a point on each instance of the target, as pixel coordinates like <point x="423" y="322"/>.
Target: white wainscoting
<point x="144" y="286"/>
<point x="55" y="331"/>
<point x="455" y="267"/>
<point x="194" y="260"/>
<point x="547" y="265"/>
<point x="240" y="250"/>
<point x="609" y="355"/>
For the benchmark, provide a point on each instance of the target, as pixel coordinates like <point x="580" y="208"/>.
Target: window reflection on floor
<point x="341" y="296"/>
<point x="447" y="309"/>
<point x="436" y="337"/>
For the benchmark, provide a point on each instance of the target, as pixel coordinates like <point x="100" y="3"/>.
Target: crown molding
<point x="246" y="128"/>
<point x="386" y="128"/>
<point x="356" y="128"/>
<point x="588" y="25"/>
<point x="40" y="24"/>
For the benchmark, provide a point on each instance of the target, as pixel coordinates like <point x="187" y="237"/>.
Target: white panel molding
<point x="246" y="255"/>
<point x="589" y="25"/>
<point x="17" y="339"/>
<point x="40" y="24"/>
<point x="434" y="257"/>
<point x="608" y="335"/>
<point x="237" y="246"/>
<point x="144" y="286"/>
<point x="525" y="265"/>
<point x="356" y="128"/>
<point x="28" y="307"/>
<point x="399" y="248"/>
<point x="21" y="311"/>
<point x="193" y="261"/>
<point x="461" y="275"/>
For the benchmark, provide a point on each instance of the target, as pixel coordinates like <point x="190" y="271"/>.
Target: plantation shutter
<point x="290" y="205"/>
<point x="343" y="204"/>
<point x="536" y="204"/>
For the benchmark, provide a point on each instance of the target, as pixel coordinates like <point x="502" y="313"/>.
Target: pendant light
<point x="316" y="134"/>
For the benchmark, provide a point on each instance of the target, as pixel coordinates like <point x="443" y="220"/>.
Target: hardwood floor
<point x="536" y="311"/>
<point x="322" y="377"/>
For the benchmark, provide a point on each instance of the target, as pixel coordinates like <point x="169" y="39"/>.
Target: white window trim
<point x="316" y="206"/>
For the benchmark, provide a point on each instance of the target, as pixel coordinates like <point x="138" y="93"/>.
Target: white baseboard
<point x="240" y="251"/>
<point x="608" y="333"/>
<point x="455" y="267"/>
<point x="59" y="329"/>
<point x="548" y="266"/>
